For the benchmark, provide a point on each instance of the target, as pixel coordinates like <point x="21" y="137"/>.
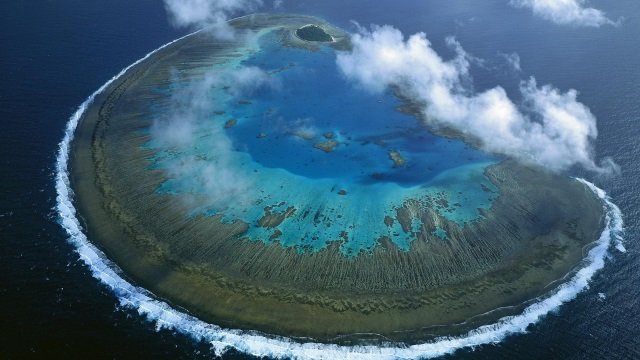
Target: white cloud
<point x="212" y="13"/>
<point x="551" y="128"/>
<point x="246" y="80"/>
<point x="566" y="12"/>
<point x="513" y="60"/>
<point x="205" y="168"/>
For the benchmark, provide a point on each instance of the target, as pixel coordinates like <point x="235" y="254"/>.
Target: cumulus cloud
<point x="205" y="169"/>
<point x="549" y="128"/>
<point x="513" y="60"/>
<point x="566" y="12"/>
<point x="208" y="13"/>
<point x="246" y="81"/>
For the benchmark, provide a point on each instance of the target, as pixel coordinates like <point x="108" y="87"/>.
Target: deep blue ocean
<point x="53" y="54"/>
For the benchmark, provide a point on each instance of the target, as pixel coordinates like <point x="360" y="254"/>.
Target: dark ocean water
<point x="53" y="54"/>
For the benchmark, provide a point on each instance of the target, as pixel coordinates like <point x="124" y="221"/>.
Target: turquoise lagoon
<point x="309" y="144"/>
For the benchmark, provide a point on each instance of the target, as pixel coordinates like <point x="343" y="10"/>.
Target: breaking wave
<point x="221" y="340"/>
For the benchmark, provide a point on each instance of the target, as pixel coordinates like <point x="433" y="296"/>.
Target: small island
<point x="313" y="33"/>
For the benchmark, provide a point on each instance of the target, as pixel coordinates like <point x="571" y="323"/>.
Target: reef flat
<point x="315" y="249"/>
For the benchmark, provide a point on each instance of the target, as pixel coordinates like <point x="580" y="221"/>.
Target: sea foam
<point x="260" y="345"/>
